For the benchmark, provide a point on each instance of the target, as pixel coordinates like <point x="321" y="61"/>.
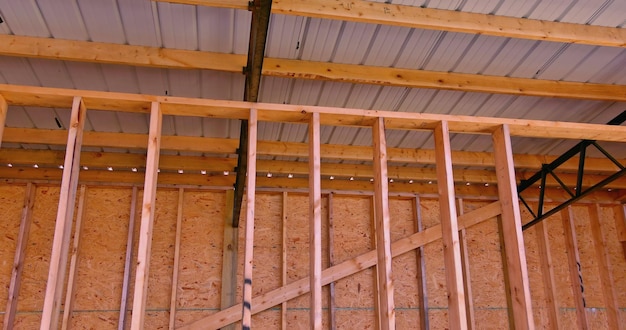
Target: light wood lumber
<point x="512" y="230"/>
<point x="359" y="187"/>
<point x="179" y="222"/>
<point x="376" y="281"/>
<point x="147" y="218"/>
<point x="574" y="269"/>
<point x="412" y="78"/>
<point x="4" y="107"/>
<point x="246" y="319"/>
<point x="284" y="216"/>
<point x="20" y="253"/>
<point x="422" y="287"/>
<point x="108" y="53"/>
<point x="73" y="272"/>
<point x="547" y="274"/>
<point x="604" y="268"/>
<point x="121" y="324"/>
<point x="386" y="311"/>
<point x="457" y="313"/>
<point x="620" y="225"/>
<point x="438" y="19"/>
<point x="505" y="272"/>
<point x="467" y="278"/>
<point x="341" y="270"/>
<point x="315" y="223"/>
<point x="65" y="214"/>
<point x="229" y="257"/>
<point x="332" y="313"/>
<point x="53" y="97"/>
<point x="126" y="161"/>
<point x="229" y="146"/>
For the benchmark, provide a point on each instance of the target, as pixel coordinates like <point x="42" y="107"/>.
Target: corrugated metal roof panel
<point x="354" y="42"/>
<point x="223" y="30"/>
<point x="178" y="26"/>
<point x="24" y="18"/>
<point x="102" y="20"/>
<point x="138" y="20"/>
<point x="319" y="39"/>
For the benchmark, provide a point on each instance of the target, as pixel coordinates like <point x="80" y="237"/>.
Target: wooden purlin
<point x="108" y="53"/>
<point x="457" y="313"/>
<point x="523" y="162"/>
<point x="437" y="19"/>
<point x="65" y="215"/>
<point x="20" y="253"/>
<point x="147" y="218"/>
<point x="339" y="271"/>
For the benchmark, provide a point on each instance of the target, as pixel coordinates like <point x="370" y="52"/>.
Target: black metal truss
<point x="576" y="193"/>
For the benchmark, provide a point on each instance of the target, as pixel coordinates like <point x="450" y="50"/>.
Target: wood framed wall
<point x="256" y="304"/>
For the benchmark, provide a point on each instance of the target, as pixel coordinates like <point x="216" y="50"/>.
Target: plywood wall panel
<point x="101" y="257"/>
<point x="11" y="199"/>
<point x="587" y="252"/>
<point x="404" y="267"/>
<point x="298" y="254"/>
<point x="436" y="275"/>
<point x="105" y="225"/>
<point x="37" y="259"/>
<point x="533" y="263"/>
<point x="354" y="295"/>
<point x="616" y="258"/>
<point x="199" y="280"/>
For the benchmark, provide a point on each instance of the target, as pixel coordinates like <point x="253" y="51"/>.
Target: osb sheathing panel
<point x="533" y="263"/>
<point x="404" y="267"/>
<point x="436" y="276"/>
<point x="353" y="236"/>
<point x="103" y="246"/>
<point x="297" y="226"/>
<point x="101" y="259"/>
<point x="37" y="258"/>
<point x="11" y="199"/>
<point x="616" y="257"/>
<point x="487" y="274"/>
<point x="200" y="265"/>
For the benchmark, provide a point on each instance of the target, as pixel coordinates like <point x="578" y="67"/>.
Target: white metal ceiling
<point x="143" y="22"/>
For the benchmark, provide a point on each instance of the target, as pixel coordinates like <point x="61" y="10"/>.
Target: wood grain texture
<point x="147" y="218"/>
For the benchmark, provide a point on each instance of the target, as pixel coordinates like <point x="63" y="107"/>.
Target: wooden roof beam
<point x="180" y="106"/>
<point x="189" y="164"/>
<point x="437" y="19"/>
<point x="274" y="148"/>
<point x="107" y="53"/>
